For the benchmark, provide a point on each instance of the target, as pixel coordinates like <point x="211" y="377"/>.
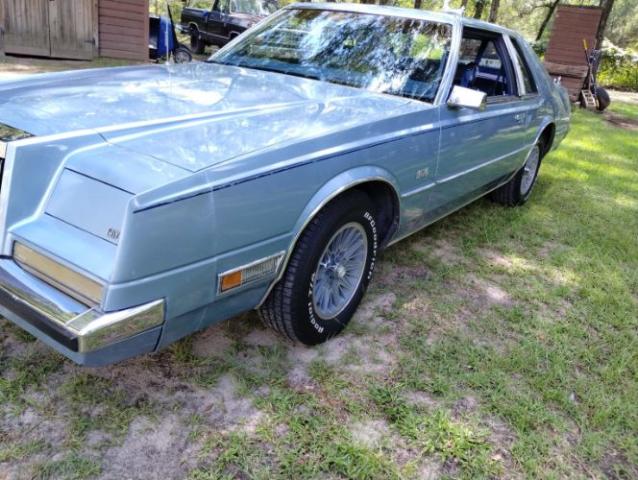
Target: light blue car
<point x="141" y="204"/>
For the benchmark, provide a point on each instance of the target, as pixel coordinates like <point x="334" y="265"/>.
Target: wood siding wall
<point x="59" y="29"/>
<point x="565" y="55"/>
<point x="571" y="26"/>
<point x="123" y="28"/>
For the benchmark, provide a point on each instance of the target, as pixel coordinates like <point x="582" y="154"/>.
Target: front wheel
<point x="327" y="274"/>
<point x="518" y="190"/>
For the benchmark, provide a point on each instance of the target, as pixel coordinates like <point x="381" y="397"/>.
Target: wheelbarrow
<point x="163" y="43"/>
<point x="593" y="96"/>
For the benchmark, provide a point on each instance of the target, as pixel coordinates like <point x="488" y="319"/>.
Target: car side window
<point x="528" y="79"/>
<point x="484" y="65"/>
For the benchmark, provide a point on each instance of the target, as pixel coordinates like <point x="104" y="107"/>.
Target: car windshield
<point x="381" y="53"/>
<point x="253" y="7"/>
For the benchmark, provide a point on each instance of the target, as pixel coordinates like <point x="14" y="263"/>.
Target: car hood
<point x="191" y="116"/>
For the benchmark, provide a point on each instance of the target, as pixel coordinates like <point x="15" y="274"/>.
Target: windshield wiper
<point x="267" y="69"/>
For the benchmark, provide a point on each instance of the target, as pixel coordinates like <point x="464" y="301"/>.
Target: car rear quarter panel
<point x="556" y="108"/>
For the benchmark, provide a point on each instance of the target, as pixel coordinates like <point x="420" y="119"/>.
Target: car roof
<point x="444" y="17"/>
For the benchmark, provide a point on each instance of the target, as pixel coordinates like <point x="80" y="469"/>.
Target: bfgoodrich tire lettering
<point x="290" y="308"/>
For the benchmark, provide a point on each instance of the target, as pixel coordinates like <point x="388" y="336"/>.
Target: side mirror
<point x="466" y="97"/>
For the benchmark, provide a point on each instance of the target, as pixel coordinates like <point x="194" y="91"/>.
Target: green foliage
<point x="618" y="71"/>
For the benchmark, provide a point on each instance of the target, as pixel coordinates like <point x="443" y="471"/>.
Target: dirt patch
<point x="620" y="96"/>
<point x="617" y="466"/>
<point x="621" y="121"/>
<point x="510" y="262"/>
<point x="370" y="314"/>
<point x="485" y="293"/>
<point x="502" y="438"/>
<point x="30" y="427"/>
<point x="212" y="342"/>
<point x="231" y="410"/>
<point x="370" y="433"/>
<point x="443" y="250"/>
<point x="366" y="353"/>
<point x="370" y="354"/>
<point x="299" y="357"/>
<point x="262" y="338"/>
<point x="151" y="451"/>
<point x="465" y="406"/>
<point x="421" y="399"/>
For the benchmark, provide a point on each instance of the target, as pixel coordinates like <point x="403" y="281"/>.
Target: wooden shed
<point x="75" y="29"/>
<point x="565" y="55"/>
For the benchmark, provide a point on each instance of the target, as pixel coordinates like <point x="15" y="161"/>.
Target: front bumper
<point x="72" y="328"/>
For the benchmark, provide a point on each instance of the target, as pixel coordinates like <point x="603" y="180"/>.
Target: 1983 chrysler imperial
<point x="141" y="204"/>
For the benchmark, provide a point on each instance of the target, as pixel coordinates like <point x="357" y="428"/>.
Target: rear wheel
<point x="603" y="99"/>
<point x="197" y="44"/>
<point x="328" y="272"/>
<point x="182" y="55"/>
<point x="518" y="190"/>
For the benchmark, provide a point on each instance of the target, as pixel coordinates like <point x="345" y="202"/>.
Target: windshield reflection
<point x="253" y="7"/>
<point x="385" y="54"/>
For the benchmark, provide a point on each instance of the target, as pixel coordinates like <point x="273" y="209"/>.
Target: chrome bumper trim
<point x="66" y="321"/>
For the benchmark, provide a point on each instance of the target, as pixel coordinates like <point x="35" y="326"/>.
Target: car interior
<point x="484" y="64"/>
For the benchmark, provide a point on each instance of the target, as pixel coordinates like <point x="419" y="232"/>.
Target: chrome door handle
<point x="519" y="117"/>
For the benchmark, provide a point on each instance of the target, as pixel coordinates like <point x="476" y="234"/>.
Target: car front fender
<point x="329" y="191"/>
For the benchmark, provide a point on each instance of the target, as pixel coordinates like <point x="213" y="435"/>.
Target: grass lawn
<point x="496" y="343"/>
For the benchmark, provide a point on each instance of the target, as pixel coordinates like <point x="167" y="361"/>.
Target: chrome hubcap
<point x="340" y="270"/>
<point x="529" y="171"/>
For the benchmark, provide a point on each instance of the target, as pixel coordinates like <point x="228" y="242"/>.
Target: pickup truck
<point x="219" y="24"/>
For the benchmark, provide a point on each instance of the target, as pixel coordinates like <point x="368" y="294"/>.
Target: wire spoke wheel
<point x="340" y="270"/>
<point x="529" y="171"/>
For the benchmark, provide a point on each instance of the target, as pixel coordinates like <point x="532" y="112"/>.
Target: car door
<point x="217" y="20"/>
<point x="530" y="101"/>
<point x="480" y="148"/>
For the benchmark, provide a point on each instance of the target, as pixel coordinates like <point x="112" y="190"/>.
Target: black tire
<point x="290" y="309"/>
<point x="512" y="193"/>
<point x="603" y="99"/>
<point x="182" y="55"/>
<point x="197" y="44"/>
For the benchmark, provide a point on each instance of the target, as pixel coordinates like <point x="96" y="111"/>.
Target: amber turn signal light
<point x="231" y="280"/>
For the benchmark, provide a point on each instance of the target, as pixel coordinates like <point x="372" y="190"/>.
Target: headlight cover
<point x="74" y="284"/>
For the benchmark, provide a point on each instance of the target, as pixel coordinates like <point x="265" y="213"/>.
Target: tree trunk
<point x="548" y="17"/>
<point x="494" y="11"/>
<point x="417" y="4"/>
<point x="478" y="8"/>
<point x="600" y="34"/>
